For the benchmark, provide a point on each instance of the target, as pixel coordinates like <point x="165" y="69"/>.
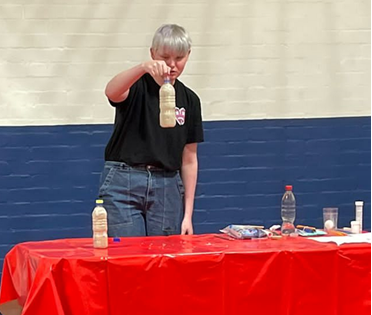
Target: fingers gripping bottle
<point x="288" y="211"/>
<point x="99" y="225"/>
<point x="167" y="104"/>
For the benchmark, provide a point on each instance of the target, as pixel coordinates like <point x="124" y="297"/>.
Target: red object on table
<point x="193" y="275"/>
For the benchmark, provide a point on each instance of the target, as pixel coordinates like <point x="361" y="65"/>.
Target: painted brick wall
<point x="253" y="59"/>
<point x="245" y="165"/>
<point x="49" y="175"/>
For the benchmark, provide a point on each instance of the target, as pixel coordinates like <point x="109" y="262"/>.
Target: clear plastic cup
<point x="330" y="218"/>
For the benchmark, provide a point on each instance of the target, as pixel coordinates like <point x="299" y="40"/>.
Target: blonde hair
<point x="172" y="37"/>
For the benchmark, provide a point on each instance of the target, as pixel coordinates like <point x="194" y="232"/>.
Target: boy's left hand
<point x="186" y="227"/>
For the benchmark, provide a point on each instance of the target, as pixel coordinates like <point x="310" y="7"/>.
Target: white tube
<point x="359" y="214"/>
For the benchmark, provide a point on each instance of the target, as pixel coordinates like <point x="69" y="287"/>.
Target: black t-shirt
<point x="138" y="138"/>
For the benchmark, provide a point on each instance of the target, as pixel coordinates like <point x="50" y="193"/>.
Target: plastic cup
<point x="330" y="218"/>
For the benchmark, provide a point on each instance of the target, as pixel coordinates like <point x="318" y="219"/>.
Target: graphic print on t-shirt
<point x="180" y="115"/>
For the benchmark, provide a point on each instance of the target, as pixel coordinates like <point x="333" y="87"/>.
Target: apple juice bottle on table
<point x="99" y="225"/>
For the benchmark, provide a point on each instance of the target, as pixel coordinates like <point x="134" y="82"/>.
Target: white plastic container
<point x="99" y="225"/>
<point x="359" y="214"/>
<point x="355" y="227"/>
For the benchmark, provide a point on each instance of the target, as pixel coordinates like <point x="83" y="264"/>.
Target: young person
<point x="150" y="173"/>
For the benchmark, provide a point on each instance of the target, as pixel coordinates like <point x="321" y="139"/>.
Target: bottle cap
<point x="359" y="203"/>
<point x="99" y="201"/>
<point x="166" y="79"/>
<point x="288" y="187"/>
<point x="117" y="239"/>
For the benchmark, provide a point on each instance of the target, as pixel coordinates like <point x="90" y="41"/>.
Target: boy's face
<point x="175" y="61"/>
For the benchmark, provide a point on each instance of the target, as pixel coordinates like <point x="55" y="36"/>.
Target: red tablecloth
<point x="193" y="275"/>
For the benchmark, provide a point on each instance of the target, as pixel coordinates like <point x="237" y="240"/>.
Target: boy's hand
<point x="186" y="227"/>
<point x="156" y="68"/>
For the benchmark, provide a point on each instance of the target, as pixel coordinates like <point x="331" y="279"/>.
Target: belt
<point x="138" y="166"/>
<point x="148" y="167"/>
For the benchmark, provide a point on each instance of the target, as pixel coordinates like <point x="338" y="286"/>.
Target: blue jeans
<point x="141" y="200"/>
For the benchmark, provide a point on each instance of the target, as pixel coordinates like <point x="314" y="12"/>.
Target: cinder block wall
<point x="285" y="89"/>
<point x="250" y="59"/>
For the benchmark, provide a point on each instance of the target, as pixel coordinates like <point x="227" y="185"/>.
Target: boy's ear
<point x="152" y="53"/>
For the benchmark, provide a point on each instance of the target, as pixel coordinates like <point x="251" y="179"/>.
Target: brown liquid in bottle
<point x="167" y="104"/>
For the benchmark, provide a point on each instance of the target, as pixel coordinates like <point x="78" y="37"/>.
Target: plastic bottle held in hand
<point x="167" y="104"/>
<point x="99" y="225"/>
<point x="288" y="211"/>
